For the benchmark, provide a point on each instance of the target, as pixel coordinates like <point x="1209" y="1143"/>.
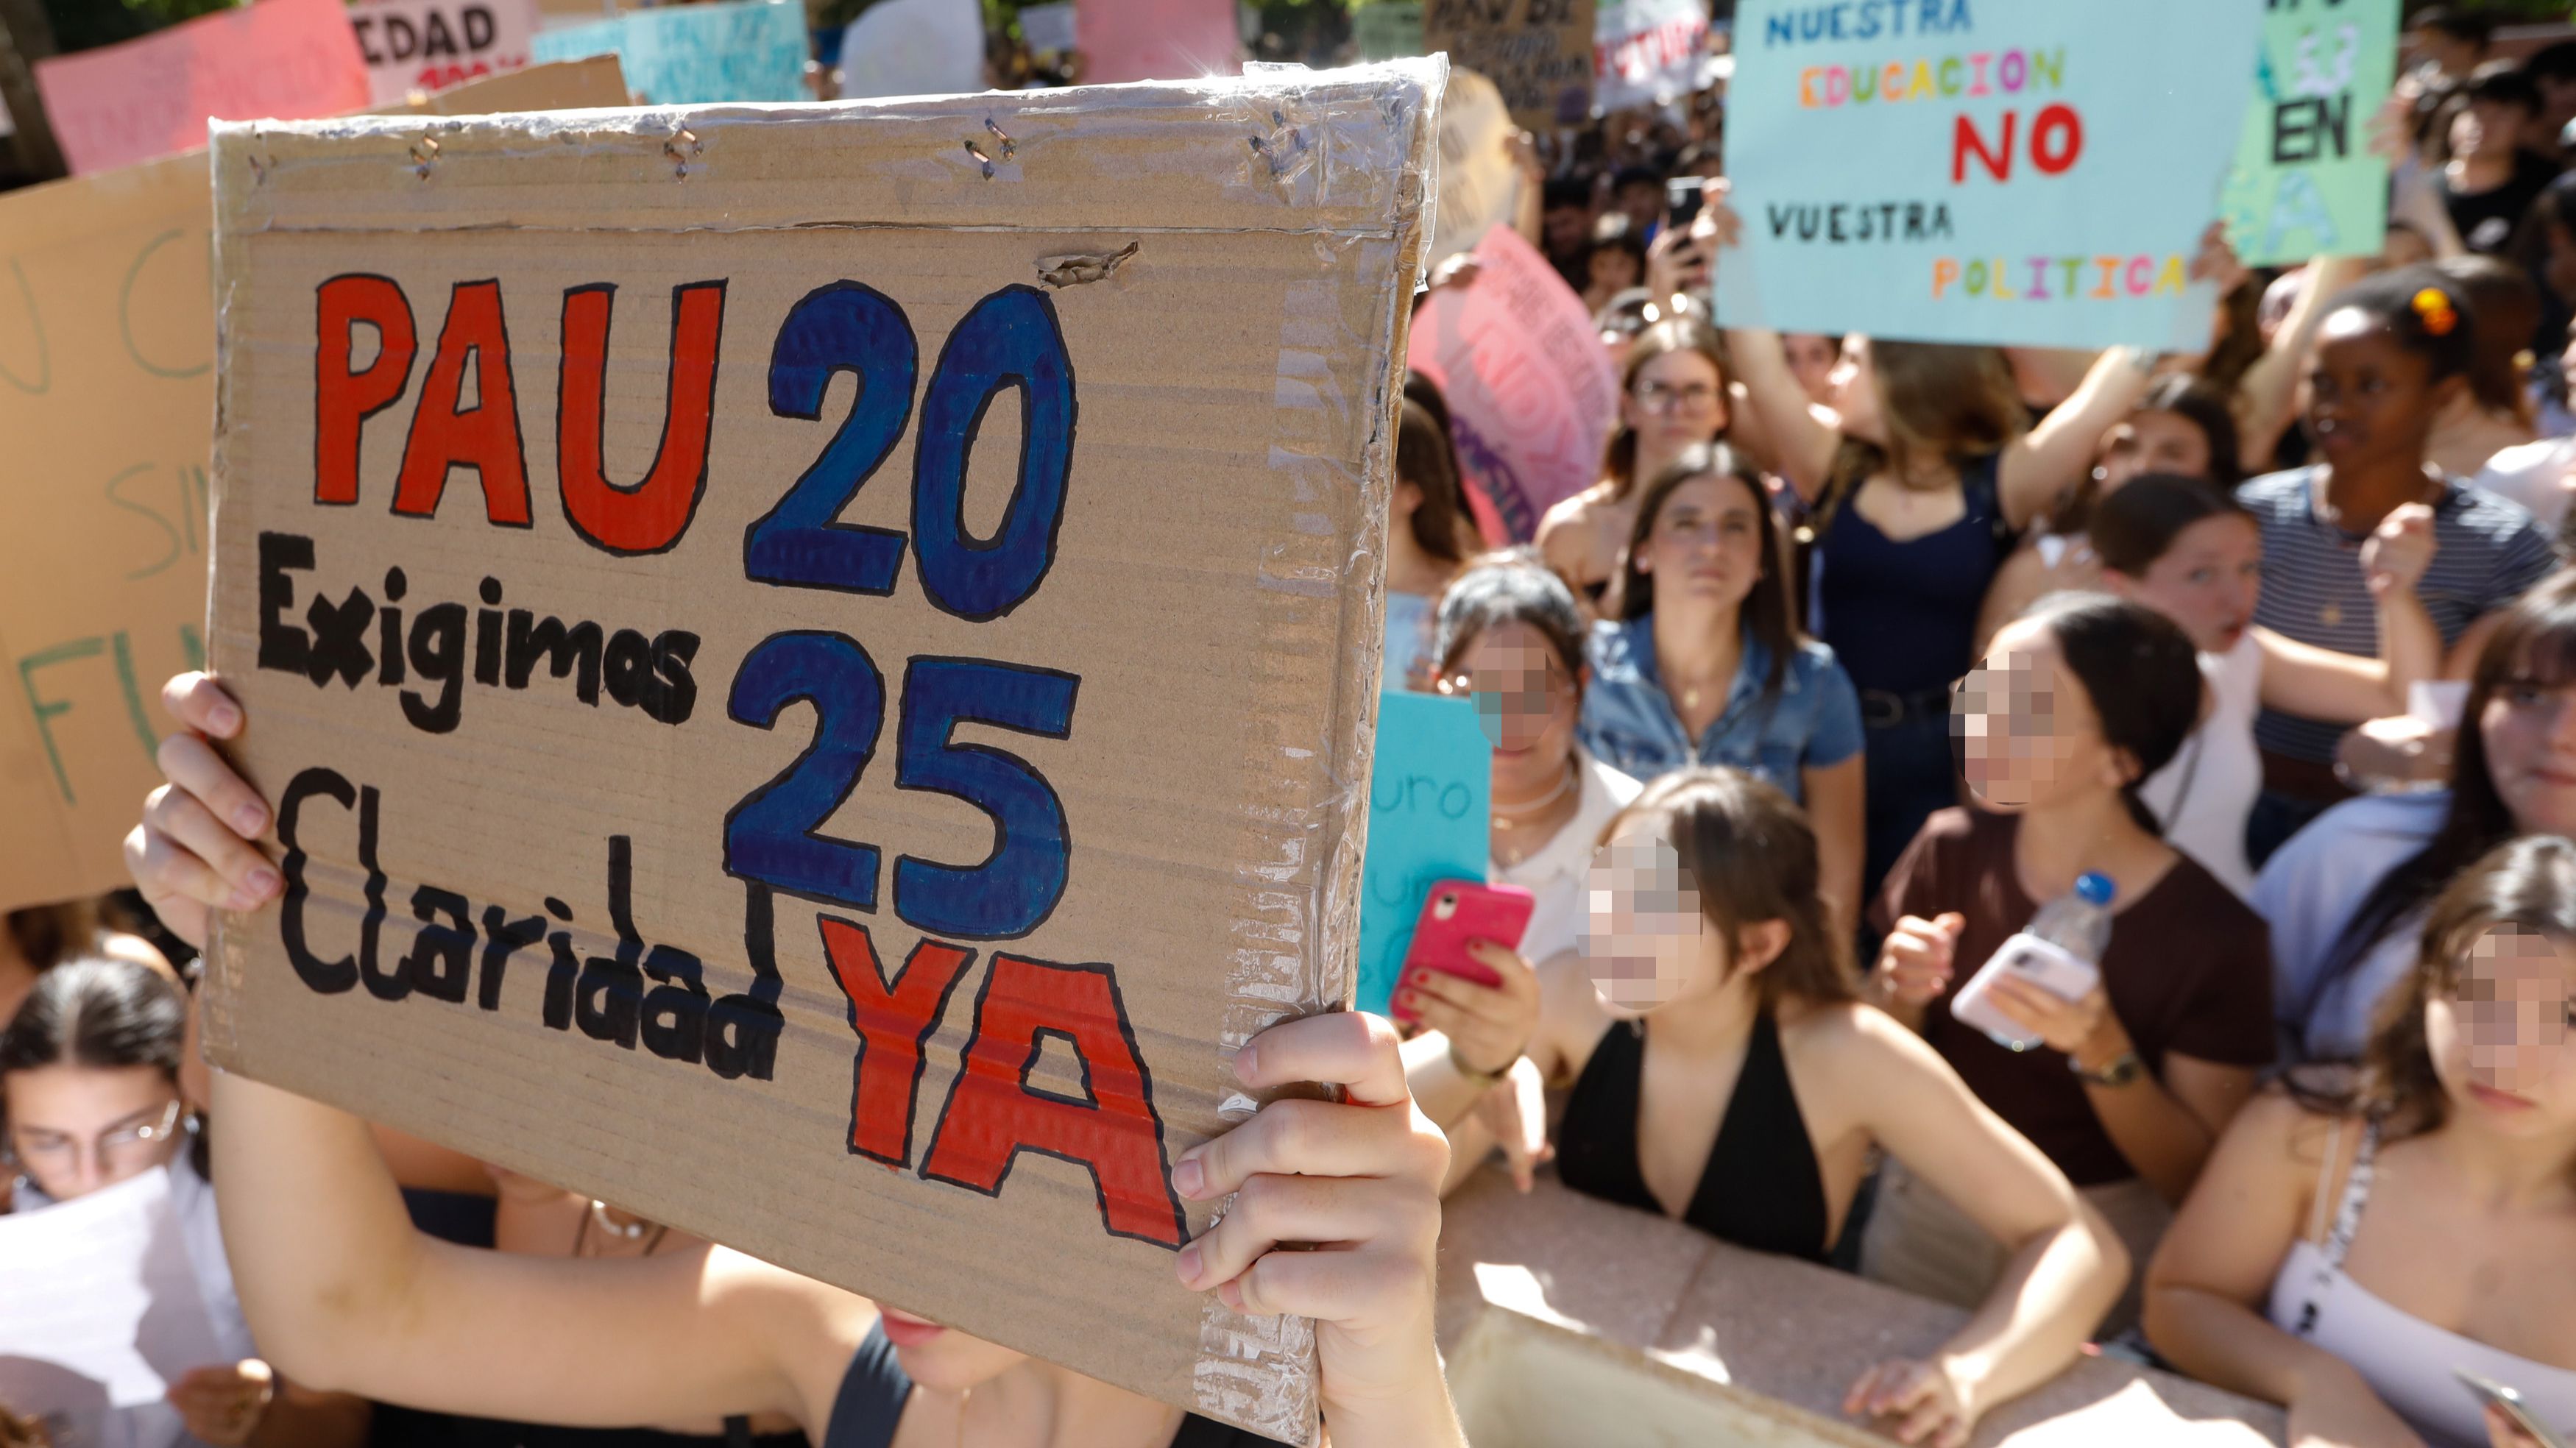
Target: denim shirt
<point x="1629" y="721"/>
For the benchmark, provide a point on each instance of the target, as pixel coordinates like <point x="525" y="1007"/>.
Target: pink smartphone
<point x="1455" y="913"/>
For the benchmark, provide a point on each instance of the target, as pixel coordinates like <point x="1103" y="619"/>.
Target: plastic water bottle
<point x="2060" y="951"/>
<point x="2080" y="920"/>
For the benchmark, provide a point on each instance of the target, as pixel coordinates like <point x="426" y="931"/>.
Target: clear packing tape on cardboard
<point x="818" y="664"/>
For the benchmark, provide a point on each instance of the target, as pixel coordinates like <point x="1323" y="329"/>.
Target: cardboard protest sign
<point x="2305" y="183"/>
<point x="107" y="397"/>
<point x="2016" y="171"/>
<point x="427" y="45"/>
<point x="809" y="691"/>
<point x="1388" y="29"/>
<point x="1647" y="52"/>
<point x="1539" y="52"/>
<point x="1530" y="389"/>
<point x="1429" y="793"/>
<point x="120" y="104"/>
<point x="686" y="55"/>
<point x="1157" y="39"/>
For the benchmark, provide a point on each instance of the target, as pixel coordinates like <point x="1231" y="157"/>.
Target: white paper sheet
<point x="99" y="1312"/>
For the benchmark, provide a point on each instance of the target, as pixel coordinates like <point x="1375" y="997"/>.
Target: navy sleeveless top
<point x="1761" y="1188"/>
<point x="1902" y="617"/>
<point x="869" y="1406"/>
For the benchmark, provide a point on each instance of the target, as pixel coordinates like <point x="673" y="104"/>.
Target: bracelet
<point x="2123" y="1069"/>
<point x="1482" y="1080"/>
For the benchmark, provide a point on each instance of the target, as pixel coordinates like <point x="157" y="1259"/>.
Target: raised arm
<point x="2066" y="1268"/>
<point x="2345" y="689"/>
<point x="2267" y="395"/>
<point x="2044" y="463"/>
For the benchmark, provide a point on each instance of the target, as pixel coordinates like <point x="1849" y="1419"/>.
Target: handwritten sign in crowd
<point x="2305" y="183"/>
<point x="148" y="98"/>
<point x="678" y="55"/>
<point x="1531" y="393"/>
<point x="2010" y="171"/>
<point x="1539" y="52"/>
<point x="756" y="730"/>
<point x="427" y="45"/>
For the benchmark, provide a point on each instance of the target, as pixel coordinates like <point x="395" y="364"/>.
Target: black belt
<point x="1880" y="709"/>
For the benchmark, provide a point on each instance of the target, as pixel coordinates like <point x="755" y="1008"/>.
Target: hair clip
<point x="2433" y="307"/>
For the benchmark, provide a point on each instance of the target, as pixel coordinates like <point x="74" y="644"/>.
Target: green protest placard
<point x="2305" y="183"/>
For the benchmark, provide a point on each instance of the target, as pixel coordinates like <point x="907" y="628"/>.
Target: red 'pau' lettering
<point x="484" y="437"/>
<point x="894" y="1022"/>
<point x="343" y="400"/>
<point x="994" y="1113"/>
<point x="652" y="515"/>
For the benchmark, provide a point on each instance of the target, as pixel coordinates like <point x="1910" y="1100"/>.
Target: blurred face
<point x="1646" y="942"/>
<point x="941" y="1359"/>
<point x="1851" y="390"/>
<point x="2529" y="730"/>
<point x="1643" y="201"/>
<point x="1811" y="361"/>
<point x="2150" y="441"/>
<point x="1676" y="400"/>
<point x="2502" y="1042"/>
<point x="2485" y="129"/>
<point x="1614" y="269"/>
<point x="75" y="1129"/>
<point x="1568" y="228"/>
<point x="1526" y="702"/>
<point x="2206" y="581"/>
<point x="1403" y="503"/>
<point x="2370" y="401"/>
<point x="2025" y="729"/>
<point x="1706" y="542"/>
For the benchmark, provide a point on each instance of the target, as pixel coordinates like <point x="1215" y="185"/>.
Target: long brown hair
<point x="2534" y="643"/>
<point x="2504" y="315"/>
<point x="1937" y="400"/>
<point x="2530" y="884"/>
<point x="1751" y="856"/>
<point x="47" y="934"/>
<point x="1767" y="615"/>
<point x="1425" y="458"/>
<point x="1673" y="334"/>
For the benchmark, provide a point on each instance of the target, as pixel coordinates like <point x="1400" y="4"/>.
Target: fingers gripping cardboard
<point x="795" y="711"/>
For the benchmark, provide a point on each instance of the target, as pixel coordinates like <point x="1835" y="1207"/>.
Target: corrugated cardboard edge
<point x="1256" y="1372"/>
<point x="1259" y="1371"/>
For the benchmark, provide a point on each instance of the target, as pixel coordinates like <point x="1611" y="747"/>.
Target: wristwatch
<point x="2124" y="1068"/>
<point x="1477" y="1077"/>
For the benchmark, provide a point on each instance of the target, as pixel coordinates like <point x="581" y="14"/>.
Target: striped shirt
<point x="2487" y="553"/>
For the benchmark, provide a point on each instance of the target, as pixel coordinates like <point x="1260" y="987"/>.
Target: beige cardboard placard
<point x="1538" y="52"/>
<point x="817" y="663"/>
<point x="107" y="399"/>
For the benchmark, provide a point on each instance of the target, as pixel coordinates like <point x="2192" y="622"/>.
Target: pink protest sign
<point x="1530" y="389"/>
<point x="279" y="59"/>
<point x="1156" y="39"/>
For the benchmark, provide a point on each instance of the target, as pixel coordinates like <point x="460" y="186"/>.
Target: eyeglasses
<point x="119" y="1153"/>
<point x="1662" y="397"/>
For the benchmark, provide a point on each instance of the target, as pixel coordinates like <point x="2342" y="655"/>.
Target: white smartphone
<point x="2490" y="1391"/>
<point x="2051" y="967"/>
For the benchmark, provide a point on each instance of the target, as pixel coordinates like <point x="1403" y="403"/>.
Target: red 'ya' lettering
<point x="894" y="1022"/>
<point x="994" y="1113"/>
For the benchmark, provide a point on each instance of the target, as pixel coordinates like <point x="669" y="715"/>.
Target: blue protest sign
<point x="687" y="55"/>
<point x="1428" y="817"/>
<point x="2006" y="171"/>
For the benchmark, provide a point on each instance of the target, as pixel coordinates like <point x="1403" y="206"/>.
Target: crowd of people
<point x="1858" y="655"/>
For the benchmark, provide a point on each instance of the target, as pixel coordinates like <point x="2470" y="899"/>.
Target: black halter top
<point x="1761" y="1188"/>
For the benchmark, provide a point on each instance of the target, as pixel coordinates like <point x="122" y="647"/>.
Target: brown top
<point x="2189" y="970"/>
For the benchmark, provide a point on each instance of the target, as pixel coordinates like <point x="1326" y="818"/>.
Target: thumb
<point x="1951" y="922"/>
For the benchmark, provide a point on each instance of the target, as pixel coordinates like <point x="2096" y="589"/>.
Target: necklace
<point x="1503" y="813"/>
